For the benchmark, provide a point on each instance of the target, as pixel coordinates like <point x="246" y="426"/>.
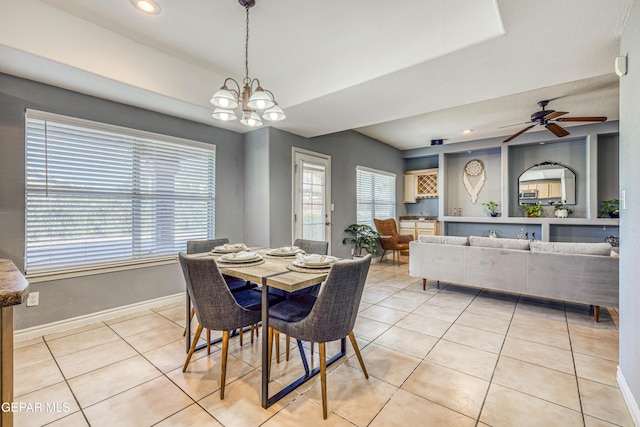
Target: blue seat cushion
<point x="251" y="299"/>
<point x="236" y="284"/>
<point x="293" y="309"/>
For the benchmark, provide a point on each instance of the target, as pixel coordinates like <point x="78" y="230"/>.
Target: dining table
<point x="277" y="272"/>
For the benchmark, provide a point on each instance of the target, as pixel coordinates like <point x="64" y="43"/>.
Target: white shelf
<point x="527" y="220"/>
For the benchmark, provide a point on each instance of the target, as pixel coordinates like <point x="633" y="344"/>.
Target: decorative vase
<point x="494" y="214"/>
<point x="614" y="214"/>
<point x="562" y="213"/>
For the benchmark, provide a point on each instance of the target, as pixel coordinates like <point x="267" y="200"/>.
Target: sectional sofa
<point x="584" y="273"/>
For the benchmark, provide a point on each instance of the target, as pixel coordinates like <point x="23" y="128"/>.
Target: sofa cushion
<point x="445" y="240"/>
<point x="572" y="248"/>
<point x="491" y="242"/>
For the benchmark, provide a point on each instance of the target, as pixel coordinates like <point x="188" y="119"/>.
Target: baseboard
<point x="100" y="316"/>
<point x="628" y="398"/>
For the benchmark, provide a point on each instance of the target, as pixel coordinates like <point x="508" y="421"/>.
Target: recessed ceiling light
<point x="542" y="143"/>
<point x="150" y="7"/>
<point x="467" y="131"/>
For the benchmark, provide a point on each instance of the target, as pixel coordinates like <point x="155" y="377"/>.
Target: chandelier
<point x="248" y="101"/>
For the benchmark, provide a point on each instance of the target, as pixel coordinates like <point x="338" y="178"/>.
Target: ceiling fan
<point x="545" y="117"/>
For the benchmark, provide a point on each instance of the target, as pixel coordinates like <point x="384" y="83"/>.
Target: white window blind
<point x="376" y="195"/>
<point x="101" y="195"/>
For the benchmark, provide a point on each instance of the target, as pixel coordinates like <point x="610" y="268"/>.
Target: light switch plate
<point x="33" y="299"/>
<point x="623" y="199"/>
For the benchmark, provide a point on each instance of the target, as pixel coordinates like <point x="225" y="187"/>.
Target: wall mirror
<point x="547" y="183"/>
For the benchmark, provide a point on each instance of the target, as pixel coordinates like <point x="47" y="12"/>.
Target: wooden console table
<point x="14" y="289"/>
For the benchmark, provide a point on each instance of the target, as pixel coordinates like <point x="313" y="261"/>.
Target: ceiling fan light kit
<point x="547" y="118"/>
<point x="250" y="99"/>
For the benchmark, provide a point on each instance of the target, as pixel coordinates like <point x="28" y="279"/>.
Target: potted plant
<point x="364" y="238"/>
<point x="611" y="208"/>
<point x="491" y="207"/>
<point x="535" y="211"/>
<point x="561" y="210"/>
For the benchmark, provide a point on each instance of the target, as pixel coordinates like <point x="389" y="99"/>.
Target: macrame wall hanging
<point x="473" y="171"/>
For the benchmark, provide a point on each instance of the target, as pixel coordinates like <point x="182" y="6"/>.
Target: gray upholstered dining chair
<point x="319" y="247"/>
<point x="216" y="306"/>
<point x="328" y="317"/>
<point x="234" y="284"/>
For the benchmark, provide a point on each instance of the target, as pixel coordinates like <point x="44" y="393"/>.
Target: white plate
<point x="230" y="248"/>
<point x="302" y="264"/>
<point x="314" y="260"/>
<point x="283" y="252"/>
<point x="241" y="257"/>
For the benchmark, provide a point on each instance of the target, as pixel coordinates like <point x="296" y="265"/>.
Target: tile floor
<point x="450" y="356"/>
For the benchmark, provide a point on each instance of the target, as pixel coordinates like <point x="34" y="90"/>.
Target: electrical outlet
<point x="33" y="299"/>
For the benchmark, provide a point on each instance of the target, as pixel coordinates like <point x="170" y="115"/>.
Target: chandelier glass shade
<point x="245" y="103"/>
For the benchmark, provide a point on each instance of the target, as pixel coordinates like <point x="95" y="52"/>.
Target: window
<point x="100" y="195"/>
<point x="376" y="195"/>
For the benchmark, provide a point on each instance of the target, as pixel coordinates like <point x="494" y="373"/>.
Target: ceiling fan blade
<point x="557" y="130"/>
<point x="555" y="114"/>
<point x="515" y="135"/>
<point x="583" y="119"/>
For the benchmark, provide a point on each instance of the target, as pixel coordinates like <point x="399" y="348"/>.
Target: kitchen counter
<point x="417" y="218"/>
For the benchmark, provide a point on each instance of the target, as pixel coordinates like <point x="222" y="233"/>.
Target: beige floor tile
<point x="363" y="306"/>
<point x="596" y="369"/>
<point x="35" y="377"/>
<point x="194" y="415"/>
<point x="383" y="314"/>
<point x="76" y="419"/>
<point x="407" y="409"/>
<point x="386" y="364"/>
<point x="202" y="376"/>
<point x="590" y="421"/>
<point x="595" y="347"/>
<point x="141" y="324"/>
<point x="539" y="354"/>
<point x="252" y="353"/>
<point x="304" y="412"/>
<point x="60" y="403"/>
<point x="30" y="355"/>
<point x="25" y="343"/>
<point x="101" y="384"/>
<point x="497" y="325"/>
<point x="241" y="405"/>
<point x="173" y="355"/>
<point x="143" y="405"/>
<point x="594" y="331"/>
<point x="83" y="361"/>
<point x="472" y="361"/>
<point x="455" y="390"/>
<point x="369" y="329"/>
<point x="544" y="383"/>
<point x="604" y="402"/>
<point x="154" y="338"/>
<point x="505" y="407"/>
<point x="472" y="337"/>
<point x="351" y="395"/>
<point x="128" y="317"/>
<point x="424" y="325"/>
<point x="375" y="294"/>
<point x="552" y="338"/>
<point x="412" y="343"/>
<point x="81" y="341"/>
<point x="487" y="307"/>
<point x="528" y="321"/>
<point x="449" y="314"/>
<point x="401" y="302"/>
<point x="73" y="331"/>
<point x="546" y="309"/>
<point x="451" y="299"/>
<point x="176" y="314"/>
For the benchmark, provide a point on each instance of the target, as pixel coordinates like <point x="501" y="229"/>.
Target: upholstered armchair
<point x="390" y="240"/>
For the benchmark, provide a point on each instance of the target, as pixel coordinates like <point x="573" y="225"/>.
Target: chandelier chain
<point x="246" y="49"/>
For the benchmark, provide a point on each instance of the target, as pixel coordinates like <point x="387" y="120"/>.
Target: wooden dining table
<point x="276" y="272"/>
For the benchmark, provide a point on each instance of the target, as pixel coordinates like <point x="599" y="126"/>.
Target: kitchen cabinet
<point x="419" y="228"/>
<point x="420" y="184"/>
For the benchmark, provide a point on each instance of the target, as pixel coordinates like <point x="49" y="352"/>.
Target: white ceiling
<point x="403" y="72"/>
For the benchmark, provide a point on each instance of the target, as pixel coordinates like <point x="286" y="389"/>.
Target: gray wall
<point x="630" y="217"/>
<point x="256" y="189"/>
<point x="608" y="167"/>
<point x="347" y="150"/>
<point x="62" y="299"/>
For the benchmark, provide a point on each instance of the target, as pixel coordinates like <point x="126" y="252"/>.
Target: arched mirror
<point x="547" y="183"/>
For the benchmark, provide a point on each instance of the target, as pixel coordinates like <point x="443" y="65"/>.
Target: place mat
<point x="308" y="269"/>
<point x="280" y="256"/>
<point x="239" y="264"/>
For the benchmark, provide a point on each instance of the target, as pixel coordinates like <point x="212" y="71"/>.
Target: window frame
<point x="392" y="201"/>
<point x="138" y="139"/>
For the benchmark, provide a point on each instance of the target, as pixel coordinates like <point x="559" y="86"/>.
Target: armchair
<point x="390" y="240"/>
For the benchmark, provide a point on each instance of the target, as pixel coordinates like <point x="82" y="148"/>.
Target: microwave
<point x="528" y="194"/>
